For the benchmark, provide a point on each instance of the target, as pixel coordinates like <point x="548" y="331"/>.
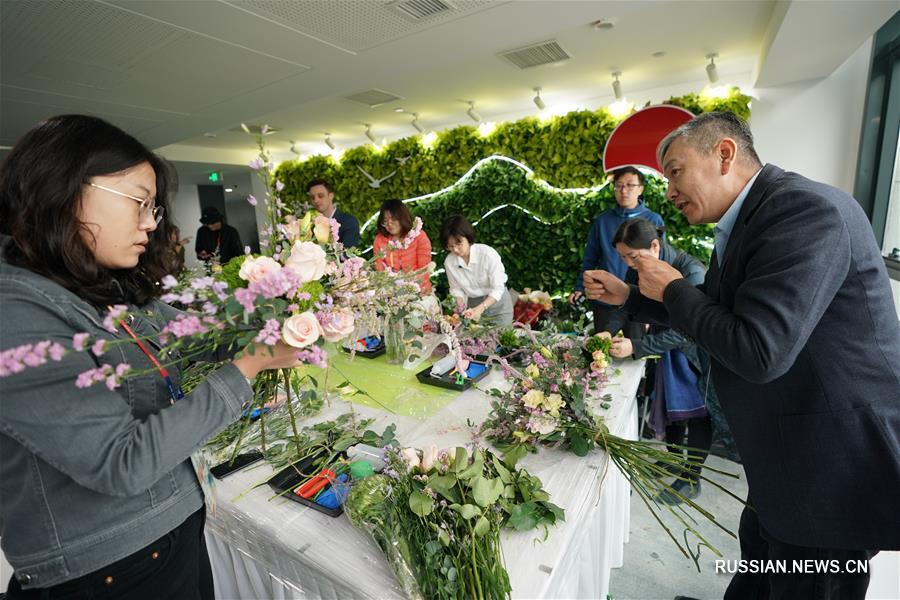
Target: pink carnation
<point x="80" y="341"/>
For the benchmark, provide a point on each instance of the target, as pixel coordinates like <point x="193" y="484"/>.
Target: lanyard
<point x="174" y="395"/>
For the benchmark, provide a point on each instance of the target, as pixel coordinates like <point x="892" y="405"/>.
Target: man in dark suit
<point x="797" y="316"/>
<point x="322" y="197"/>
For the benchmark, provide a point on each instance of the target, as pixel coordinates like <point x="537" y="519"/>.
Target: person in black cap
<point x="216" y="238"/>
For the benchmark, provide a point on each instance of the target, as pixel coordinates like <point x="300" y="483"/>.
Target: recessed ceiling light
<point x="398" y="109"/>
<point x="659" y="54"/>
<point x="603" y="24"/>
<point x="209" y="135"/>
<point x="229" y="189"/>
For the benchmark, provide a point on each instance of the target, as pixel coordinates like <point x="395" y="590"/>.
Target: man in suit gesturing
<point x="797" y="315"/>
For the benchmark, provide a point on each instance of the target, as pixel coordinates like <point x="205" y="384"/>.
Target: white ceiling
<point x="170" y="72"/>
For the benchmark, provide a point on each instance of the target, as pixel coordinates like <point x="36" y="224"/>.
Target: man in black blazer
<point x="321" y="195"/>
<point x="797" y="315"/>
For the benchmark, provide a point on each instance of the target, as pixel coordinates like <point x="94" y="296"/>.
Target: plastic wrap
<point x="319" y="556"/>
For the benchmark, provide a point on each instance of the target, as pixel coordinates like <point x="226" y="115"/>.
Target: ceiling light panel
<point x="360" y="24"/>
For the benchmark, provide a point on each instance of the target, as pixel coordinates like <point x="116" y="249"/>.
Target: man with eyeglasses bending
<point x="628" y="184"/>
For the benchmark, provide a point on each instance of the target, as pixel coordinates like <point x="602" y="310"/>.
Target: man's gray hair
<point x="704" y="131"/>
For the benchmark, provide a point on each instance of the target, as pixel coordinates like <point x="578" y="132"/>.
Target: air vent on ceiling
<point x="535" y="55"/>
<point x="372" y="97"/>
<point x="418" y="10"/>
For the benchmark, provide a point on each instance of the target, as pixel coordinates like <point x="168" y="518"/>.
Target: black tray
<point x="226" y="468"/>
<point x="288" y="479"/>
<point x="424" y="376"/>
<point x="378" y="351"/>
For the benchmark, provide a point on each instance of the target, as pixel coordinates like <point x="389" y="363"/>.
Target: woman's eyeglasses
<point x="147" y="205"/>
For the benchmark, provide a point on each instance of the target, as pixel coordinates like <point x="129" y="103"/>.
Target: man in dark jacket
<point x="628" y="187"/>
<point x="216" y="238"/>
<point x="797" y="316"/>
<point x="322" y="197"/>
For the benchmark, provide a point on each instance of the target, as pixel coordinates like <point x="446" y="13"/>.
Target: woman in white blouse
<point x="476" y="274"/>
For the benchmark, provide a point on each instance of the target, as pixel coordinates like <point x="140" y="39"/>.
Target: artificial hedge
<point x="541" y="248"/>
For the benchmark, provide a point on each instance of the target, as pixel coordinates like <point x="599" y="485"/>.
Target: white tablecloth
<point x="266" y="547"/>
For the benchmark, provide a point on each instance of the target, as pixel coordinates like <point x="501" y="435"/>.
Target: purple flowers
<point x="283" y="282"/>
<point x="313" y="355"/>
<point x="168" y="282"/>
<point x="115" y="313"/>
<point x="80" y="341"/>
<point x="99" y="347"/>
<point x="106" y="373"/>
<point x="246" y="298"/>
<point x="17" y="359"/>
<point x="185" y="325"/>
<point x="270" y="334"/>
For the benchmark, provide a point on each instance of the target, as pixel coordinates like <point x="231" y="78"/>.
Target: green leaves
<point x="565" y="151"/>
<point x="486" y="491"/>
<point x="421" y="504"/>
<point x="466" y="511"/>
<point x="579" y="444"/>
<point x="445" y="485"/>
<point x="524" y="516"/>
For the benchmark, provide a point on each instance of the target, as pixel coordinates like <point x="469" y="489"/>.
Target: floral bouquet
<point x="438" y="517"/>
<point x="555" y="400"/>
<point x="304" y="289"/>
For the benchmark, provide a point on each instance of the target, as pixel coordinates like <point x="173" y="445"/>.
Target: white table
<point x="262" y="547"/>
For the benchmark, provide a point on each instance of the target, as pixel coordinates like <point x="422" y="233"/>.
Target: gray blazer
<point x="805" y="345"/>
<point x="90" y="476"/>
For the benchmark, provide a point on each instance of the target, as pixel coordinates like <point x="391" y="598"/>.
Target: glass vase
<point x="394" y="345"/>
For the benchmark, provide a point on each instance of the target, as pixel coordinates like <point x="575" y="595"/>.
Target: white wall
<point x="186" y="214"/>
<point x="813" y="127"/>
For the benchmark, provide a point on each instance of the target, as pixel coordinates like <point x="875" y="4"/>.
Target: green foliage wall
<point x="566" y="152"/>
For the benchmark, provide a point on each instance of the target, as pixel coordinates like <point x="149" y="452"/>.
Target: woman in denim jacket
<point x="97" y="493"/>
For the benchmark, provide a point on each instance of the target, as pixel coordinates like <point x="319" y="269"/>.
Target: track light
<point x="537" y="99"/>
<point x="617" y="85"/>
<point x="328" y="141"/>
<point x="712" y="72"/>
<point x="369" y="133"/>
<point x="471" y="112"/>
<point x="415" y="123"/>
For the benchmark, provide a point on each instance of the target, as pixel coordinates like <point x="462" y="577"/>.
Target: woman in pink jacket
<point x="400" y="244"/>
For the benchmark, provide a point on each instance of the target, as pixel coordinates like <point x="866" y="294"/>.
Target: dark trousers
<point x="696" y="434"/>
<point x="758" y="545"/>
<point x="176" y="566"/>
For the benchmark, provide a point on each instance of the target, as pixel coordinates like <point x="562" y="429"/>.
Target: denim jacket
<point x="90" y="476"/>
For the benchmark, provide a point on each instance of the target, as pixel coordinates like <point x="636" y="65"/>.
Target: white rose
<point x="411" y="456"/>
<point x="429" y="455"/>
<point x="301" y="330"/>
<point x="337" y="325"/>
<point x="254" y="269"/>
<point x="307" y="260"/>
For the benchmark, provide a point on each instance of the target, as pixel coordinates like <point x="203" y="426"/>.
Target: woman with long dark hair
<point x="401" y="244"/>
<point x="97" y="493"/>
